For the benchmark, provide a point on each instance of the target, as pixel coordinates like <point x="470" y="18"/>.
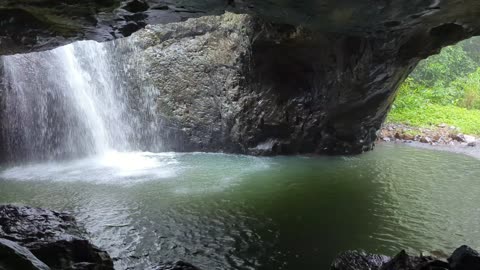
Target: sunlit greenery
<point x="445" y="88"/>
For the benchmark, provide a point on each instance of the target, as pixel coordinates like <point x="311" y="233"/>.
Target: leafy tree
<point x="472" y="48"/>
<point x="468" y="89"/>
<point x="441" y="69"/>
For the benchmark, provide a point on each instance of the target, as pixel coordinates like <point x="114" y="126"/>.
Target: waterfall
<point x="66" y="103"/>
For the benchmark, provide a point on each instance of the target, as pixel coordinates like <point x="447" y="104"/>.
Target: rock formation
<point x="41" y="24"/>
<point x="297" y="77"/>
<point x="463" y="258"/>
<point x="236" y="83"/>
<point x="38" y="239"/>
<point x="358" y="260"/>
<point x="179" y="265"/>
<point x="14" y="256"/>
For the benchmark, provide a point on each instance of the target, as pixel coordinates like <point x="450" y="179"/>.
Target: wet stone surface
<point x="39" y="237"/>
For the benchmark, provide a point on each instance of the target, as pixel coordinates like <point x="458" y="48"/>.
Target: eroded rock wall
<point x="235" y="83"/>
<point x="197" y="69"/>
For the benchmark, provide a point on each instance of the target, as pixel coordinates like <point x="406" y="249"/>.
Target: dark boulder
<point x="73" y="253"/>
<point x="13" y="256"/>
<point x="52" y="237"/>
<point x="136" y="6"/>
<point x="29" y="226"/>
<point x="179" y="265"/>
<point x="464" y="258"/>
<point x="358" y="260"/>
<point x="400" y="262"/>
<point x="403" y="261"/>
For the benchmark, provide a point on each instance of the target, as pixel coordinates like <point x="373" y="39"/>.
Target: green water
<point x="237" y="212"/>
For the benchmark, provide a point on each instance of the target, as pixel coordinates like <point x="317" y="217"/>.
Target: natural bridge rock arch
<point x="295" y="77"/>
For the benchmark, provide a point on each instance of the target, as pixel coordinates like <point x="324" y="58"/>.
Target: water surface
<point x="222" y="211"/>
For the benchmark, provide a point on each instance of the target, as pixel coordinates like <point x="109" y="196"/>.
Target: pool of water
<point x="222" y="211"/>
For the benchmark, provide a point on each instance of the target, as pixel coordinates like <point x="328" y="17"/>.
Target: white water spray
<point x="65" y="103"/>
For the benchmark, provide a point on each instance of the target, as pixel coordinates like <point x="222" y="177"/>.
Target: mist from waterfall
<point x="71" y="102"/>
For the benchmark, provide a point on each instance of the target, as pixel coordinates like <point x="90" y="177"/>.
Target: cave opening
<point x="439" y="103"/>
<point x="200" y="144"/>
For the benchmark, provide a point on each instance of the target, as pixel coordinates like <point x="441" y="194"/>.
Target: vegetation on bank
<point x="444" y="88"/>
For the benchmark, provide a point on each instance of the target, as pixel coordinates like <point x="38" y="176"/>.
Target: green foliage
<point x="471" y="99"/>
<point x="414" y="95"/>
<point x="443" y="89"/>
<point x="438" y="70"/>
<point x="432" y="115"/>
<point x="472" y="48"/>
<point x="468" y="89"/>
<point x="409" y="96"/>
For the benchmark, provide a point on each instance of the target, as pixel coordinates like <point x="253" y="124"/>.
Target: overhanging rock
<point x="236" y="83"/>
<point x="43" y="24"/>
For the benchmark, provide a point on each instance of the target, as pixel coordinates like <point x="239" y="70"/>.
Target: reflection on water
<point x="237" y="212"/>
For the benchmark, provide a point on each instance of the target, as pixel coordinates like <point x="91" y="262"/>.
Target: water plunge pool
<point x="222" y="211"/>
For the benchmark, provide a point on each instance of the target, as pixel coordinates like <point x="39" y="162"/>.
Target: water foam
<point x="110" y="168"/>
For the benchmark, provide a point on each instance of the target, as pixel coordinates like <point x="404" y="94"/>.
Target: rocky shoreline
<point x="40" y="239"/>
<point x="443" y="135"/>
<point x="463" y="258"/>
<point x="34" y="238"/>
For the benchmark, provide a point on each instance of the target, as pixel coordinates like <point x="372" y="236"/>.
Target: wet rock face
<point x="319" y="93"/>
<point x="36" y="237"/>
<point x="198" y="70"/>
<point x="14" y="256"/>
<point x="236" y="83"/>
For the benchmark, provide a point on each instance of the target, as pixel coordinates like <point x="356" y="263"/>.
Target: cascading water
<point x="67" y="103"/>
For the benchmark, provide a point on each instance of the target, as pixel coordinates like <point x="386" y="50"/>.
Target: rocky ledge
<point x="463" y="258"/>
<point x="38" y="239"/>
<point x="442" y="134"/>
